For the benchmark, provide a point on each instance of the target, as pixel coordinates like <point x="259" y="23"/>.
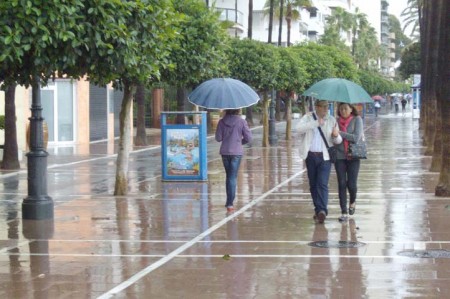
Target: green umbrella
<point x="338" y="90"/>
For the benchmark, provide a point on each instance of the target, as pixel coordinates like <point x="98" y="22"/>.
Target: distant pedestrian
<point x="377" y="107"/>
<point x="233" y="132"/>
<point x="397" y="104"/>
<point x="404" y="102"/>
<point x="314" y="151"/>
<point x="347" y="168"/>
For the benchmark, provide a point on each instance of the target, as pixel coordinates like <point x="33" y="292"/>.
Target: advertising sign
<point x="183" y="149"/>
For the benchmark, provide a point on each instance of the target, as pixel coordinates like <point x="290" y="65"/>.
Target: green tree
<point x="256" y="64"/>
<point x="401" y="40"/>
<point x="200" y="51"/>
<point x="332" y="37"/>
<point x="410" y="61"/>
<point x="34" y="42"/>
<point x="125" y="42"/>
<point x="291" y="78"/>
<point x="338" y="23"/>
<point x="134" y="58"/>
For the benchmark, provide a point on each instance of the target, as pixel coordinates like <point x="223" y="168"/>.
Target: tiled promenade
<point x="174" y="240"/>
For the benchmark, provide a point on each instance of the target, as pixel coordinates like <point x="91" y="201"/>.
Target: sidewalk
<point x="174" y="239"/>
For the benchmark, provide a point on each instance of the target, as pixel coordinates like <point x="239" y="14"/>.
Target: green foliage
<point x="35" y="39"/>
<point x="332" y="37"/>
<point x="2" y="122"/>
<point x="410" y="61"/>
<point x="323" y="62"/>
<point x="374" y="83"/>
<point x="400" y="40"/>
<point x="254" y="63"/>
<point x="292" y="75"/>
<point x="200" y="51"/>
<point x="110" y="40"/>
<point x="136" y="46"/>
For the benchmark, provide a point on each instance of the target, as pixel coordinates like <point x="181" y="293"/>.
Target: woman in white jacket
<point x="315" y="153"/>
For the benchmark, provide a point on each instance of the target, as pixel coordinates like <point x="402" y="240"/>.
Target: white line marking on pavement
<point x="309" y="256"/>
<point x="189" y="244"/>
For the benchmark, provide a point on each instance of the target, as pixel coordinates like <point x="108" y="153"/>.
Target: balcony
<point x="232" y="15"/>
<point x="384" y="32"/>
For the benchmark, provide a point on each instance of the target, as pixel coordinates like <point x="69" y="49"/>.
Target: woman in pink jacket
<point x="233" y="132"/>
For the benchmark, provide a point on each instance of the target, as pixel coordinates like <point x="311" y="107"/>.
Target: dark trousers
<point x="231" y="164"/>
<point x="347" y="177"/>
<point x="318" y="175"/>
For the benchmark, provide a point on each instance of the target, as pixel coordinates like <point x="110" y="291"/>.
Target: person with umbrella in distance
<point x="233" y="132"/>
<point x="315" y="153"/>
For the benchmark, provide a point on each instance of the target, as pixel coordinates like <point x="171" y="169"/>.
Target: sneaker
<point x="321" y="216"/>
<point x="230" y="209"/>
<point x="343" y="218"/>
<point x="352" y="208"/>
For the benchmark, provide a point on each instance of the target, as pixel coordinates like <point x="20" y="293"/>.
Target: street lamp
<point x="37" y="205"/>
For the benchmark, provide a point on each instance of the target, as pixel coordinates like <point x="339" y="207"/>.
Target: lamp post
<point x="37" y="205"/>
<point x="273" y="139"/>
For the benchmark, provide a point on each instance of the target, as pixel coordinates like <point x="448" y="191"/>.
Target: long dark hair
<point x="232" y="111"/>
<point x="354" y="111"/>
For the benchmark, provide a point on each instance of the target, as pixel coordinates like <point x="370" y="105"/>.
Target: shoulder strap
<point x="320" y="131"/>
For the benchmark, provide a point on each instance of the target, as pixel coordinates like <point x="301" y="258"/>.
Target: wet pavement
<point x="175" y="240"/>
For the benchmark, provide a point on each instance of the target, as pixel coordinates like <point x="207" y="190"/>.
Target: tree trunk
<point x="265" y="116"/>
<point x="443" y="96"/>
<point x="249" y="116"/>
<point x="289" y="25"/>
<point x="250" y="19"/>
<point x="280" y="29"/>
<point x="10" y="149"/>
<point x="121" y="187"/>
<point x="141" y="135"/>
<point x="181" y="97"/>
<point x="278" y="106"/>
<point x="429" y="78"/>
<point x="288" y="108"/>
<point x="269" y="38"/>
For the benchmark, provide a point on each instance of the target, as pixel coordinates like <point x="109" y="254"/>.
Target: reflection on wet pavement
<point x="175" y="240"/>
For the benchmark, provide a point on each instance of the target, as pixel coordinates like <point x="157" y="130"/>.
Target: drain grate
<point x="433" y="253"/>
<point x="336" y="244"/>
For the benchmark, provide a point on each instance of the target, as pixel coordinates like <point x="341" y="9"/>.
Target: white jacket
<point x="305" y="128"/>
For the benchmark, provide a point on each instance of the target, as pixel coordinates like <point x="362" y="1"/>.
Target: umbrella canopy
<point x="338" y="90"/>
<point x="377" y="98"/>
<point x="223" y="93"/>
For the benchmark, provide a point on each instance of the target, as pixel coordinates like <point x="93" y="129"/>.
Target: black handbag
<point x="358" y="150"/>
<point x="332" y="151"/>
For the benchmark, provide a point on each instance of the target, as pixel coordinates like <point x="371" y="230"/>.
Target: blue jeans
<point x="231" y="164"/>
<point x="318" y="175"/>
<point x="347" y="177"/>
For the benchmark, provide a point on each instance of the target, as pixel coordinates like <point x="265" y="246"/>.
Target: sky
<point x="396" y="7"/>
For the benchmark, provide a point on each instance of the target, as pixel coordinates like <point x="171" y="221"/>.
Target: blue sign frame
<point x="183" y="148"/>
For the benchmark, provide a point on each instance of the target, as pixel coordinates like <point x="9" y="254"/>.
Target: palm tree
<point x="341" y="19"/>
<point x="292" y="12"/>
<point x="411" y="17"/>
<point x="359" y="23"/>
